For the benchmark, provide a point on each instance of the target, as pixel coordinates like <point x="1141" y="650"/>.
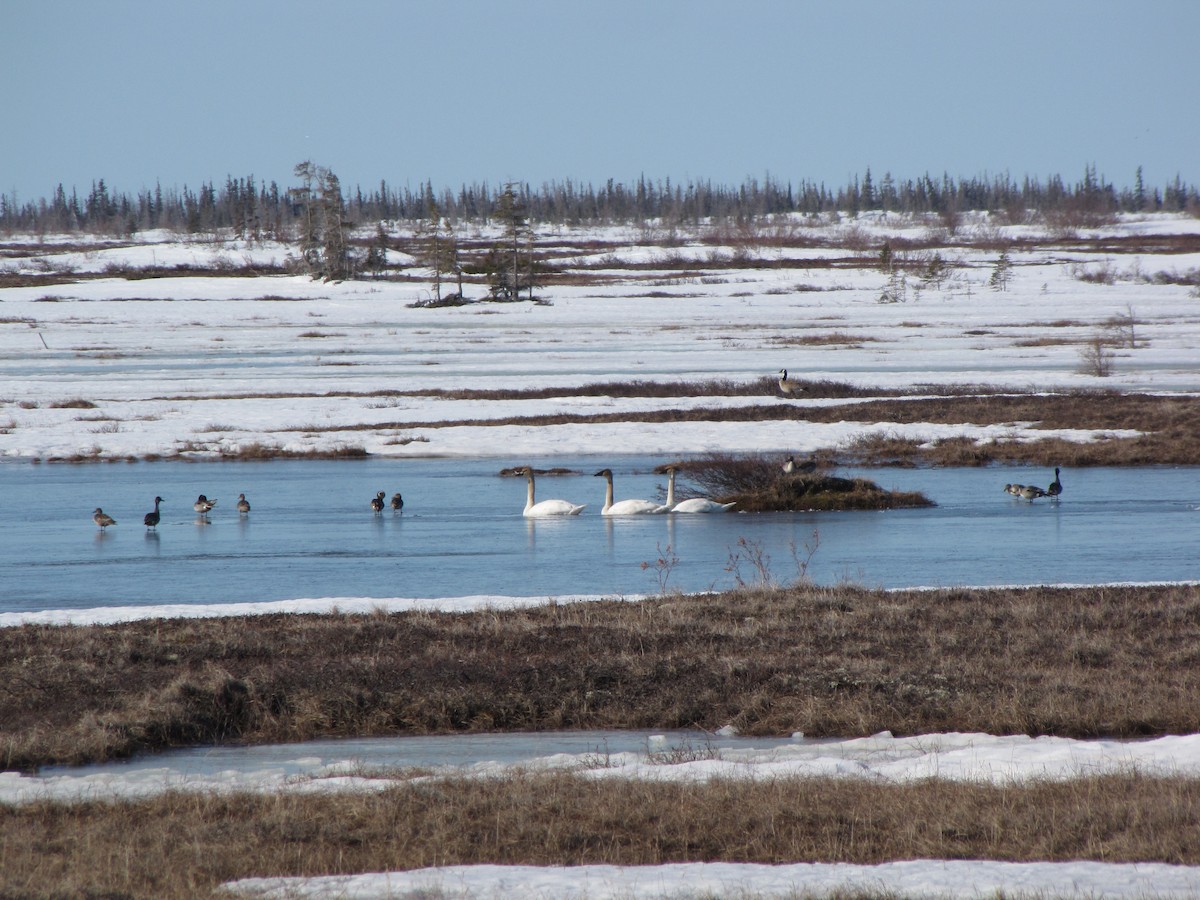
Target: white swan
<point x="693" y="505"/>
<point x="547" y="507"/>
<point x="626" y="507"/>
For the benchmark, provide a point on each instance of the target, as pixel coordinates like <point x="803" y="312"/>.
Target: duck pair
<point x="1032" y="492"/>
<point x="397" y="502"/>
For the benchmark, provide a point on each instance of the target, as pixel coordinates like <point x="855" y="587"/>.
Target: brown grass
<point x="1080" y="662"/>
<point x="185" y="845"/>
<point x="756" y="483"/>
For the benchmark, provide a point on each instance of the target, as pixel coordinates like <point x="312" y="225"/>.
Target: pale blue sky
<point x="145" y="91"/>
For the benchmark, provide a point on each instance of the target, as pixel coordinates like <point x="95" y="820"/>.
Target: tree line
<point x="260" y="210"/>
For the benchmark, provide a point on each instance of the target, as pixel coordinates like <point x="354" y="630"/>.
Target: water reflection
<point x="461" y="533"/>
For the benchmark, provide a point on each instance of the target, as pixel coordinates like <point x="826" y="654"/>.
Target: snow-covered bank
<point x="907" y="878"/>
<point x="110" y="367"/>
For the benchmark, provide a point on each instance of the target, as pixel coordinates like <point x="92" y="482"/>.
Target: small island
<point x="757" y="483"/>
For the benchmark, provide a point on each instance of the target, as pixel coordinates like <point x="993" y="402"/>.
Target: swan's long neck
<point x="671" y="488"/>
<point x="608" y="492"/>
<point x="529" y="501"/>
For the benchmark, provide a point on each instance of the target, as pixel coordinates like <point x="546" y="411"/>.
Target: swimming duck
<point x="243" y="505"/>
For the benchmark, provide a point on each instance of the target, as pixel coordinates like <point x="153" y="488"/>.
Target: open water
<point x="311" y="533"/>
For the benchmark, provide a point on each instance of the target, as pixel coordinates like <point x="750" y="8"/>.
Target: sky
<point x="141" y="92"/>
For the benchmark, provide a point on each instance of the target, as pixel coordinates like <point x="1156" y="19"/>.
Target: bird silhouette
<point x="1055" y="488"/>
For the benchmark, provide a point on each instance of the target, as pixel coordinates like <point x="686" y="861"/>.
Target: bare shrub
<point x="1096" y="356"/>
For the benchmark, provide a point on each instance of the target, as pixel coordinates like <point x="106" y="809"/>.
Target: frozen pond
<point x="312" y="534"/>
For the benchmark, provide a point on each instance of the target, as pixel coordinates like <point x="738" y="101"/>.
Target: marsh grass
<point x="184" y="845"/>
<point x="1080" y="662"/>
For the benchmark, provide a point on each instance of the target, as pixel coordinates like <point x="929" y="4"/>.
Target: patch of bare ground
<point x="1081" y="662"/>
<point x="186" y="845"/>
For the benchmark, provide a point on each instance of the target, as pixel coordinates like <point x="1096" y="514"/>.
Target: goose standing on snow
<point x="1055" y="488"/>
<point x="203" y="505"/>
<point x="694" y="504"/>
<point x="397" y="502"/>
<point x="377" y="502"/>
<point x="103" y="519"/>
<point x="243" y="505"/>
<point x="789" y="385"/>
<point x="152" y="518"/>
<point x="625" y="507"/>
<point x="547" y="508"/>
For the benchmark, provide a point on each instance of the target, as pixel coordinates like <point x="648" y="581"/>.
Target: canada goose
<point x="625" y="507"/>
<point x="791" y="467"/>
<point x="203" y="505"/>
<point x="547" y="507"/>
<point x="1031" y="493"/>
<point x="1055" y="486"/>
<point x="694" y="504"/>
<point x="397" y="502"/>
<point x="789" y="385"/>
<point x="152" y="518"/>
<point x="377" y="502"/>
<point x="103" y="519"/>
<point x="243" y="505"/>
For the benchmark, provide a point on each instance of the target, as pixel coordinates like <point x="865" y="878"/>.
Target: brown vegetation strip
<point x="1080" y="662"/>
<point x="183" y="845"/>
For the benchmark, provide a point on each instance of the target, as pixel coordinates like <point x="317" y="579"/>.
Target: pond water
<point x="312" y="534"/>
<point x="423" y="751"/>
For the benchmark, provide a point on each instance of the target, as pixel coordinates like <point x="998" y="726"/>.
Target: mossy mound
<point x="804" y="493"/>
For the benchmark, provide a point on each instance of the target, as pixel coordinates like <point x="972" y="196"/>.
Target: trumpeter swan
<point x="103" y="519"/>
<point x="789" y="385"/>
<point x="547" y="507"/>
<point x="625" y="507"/>
<point x="1055" y="486"/>
<point x="243" y="505"/>
<point x="152" y="518"/>
<point x="377" y="502"/>
<point x="694" y="504"/>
